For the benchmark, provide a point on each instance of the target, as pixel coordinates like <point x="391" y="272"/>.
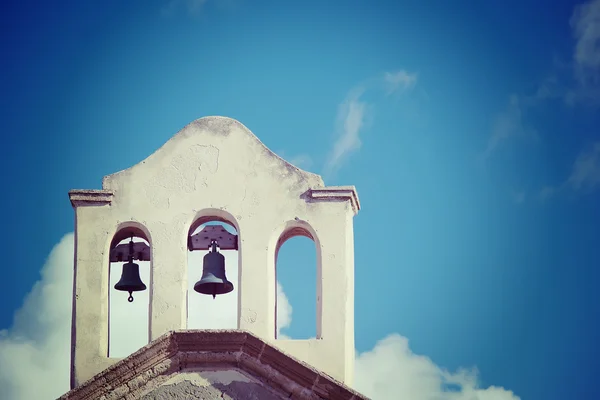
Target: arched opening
<point x="203" y="310"/>
<point x="128" y="321"/>
<point x="298" y="286"/>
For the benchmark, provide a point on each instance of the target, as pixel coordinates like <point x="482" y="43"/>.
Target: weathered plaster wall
<point x="212" y="384"/>
<point x="215" y="167"/>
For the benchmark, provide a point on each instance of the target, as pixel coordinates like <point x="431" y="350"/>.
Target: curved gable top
<point x="204" y="140"/>
<point x="216" y="159"/>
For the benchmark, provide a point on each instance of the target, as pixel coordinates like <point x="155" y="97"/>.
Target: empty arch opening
<point x="204" y="311"/>
<point x="297" y="286"/>
<point x="128" y="322"/>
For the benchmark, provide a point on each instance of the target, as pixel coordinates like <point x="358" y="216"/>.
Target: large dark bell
<point x="213" y="280"/>
<point x="130" y="280"/>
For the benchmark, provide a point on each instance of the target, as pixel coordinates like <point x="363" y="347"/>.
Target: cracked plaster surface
<point x="224" y="384"/>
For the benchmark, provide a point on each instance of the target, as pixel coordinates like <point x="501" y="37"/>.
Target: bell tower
<point x="214" y="169"/>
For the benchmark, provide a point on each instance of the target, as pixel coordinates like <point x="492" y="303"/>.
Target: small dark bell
<point x="213" y="281"/>
<point x="130" y="280"/>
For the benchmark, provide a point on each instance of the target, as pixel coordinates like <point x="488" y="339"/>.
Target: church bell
<point x="130" y="277"/>
<point x="213" y="280"/>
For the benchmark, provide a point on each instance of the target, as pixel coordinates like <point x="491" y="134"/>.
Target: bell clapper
<point x="214" y="250"/>
<point x="130" y="259"/>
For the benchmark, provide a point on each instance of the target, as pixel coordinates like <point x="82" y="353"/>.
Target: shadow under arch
<point x="205" y="216"/>
<point x="126" y="229"/>
<point x="123" y="231"/>
<point x="282" y="234"/>
<point x="209" y="215"/>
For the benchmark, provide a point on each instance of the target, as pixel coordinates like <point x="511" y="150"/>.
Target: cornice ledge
<point x="336" y="193"/>
<point x="90" y="197"/>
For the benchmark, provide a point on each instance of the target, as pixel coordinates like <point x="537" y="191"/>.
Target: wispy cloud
<point x="585" y="23"/>
<point x="353" y="114"/>
<point x="399" y="80"/>
<point x="353" y="117"/>
<point x="190" y="7"/>
<point x="303" y="161"/>
<point x="586" y="169"/>
<point x="37" y="347"/>
<point x="576" y="82"/>
<point x="584" y="176"/>
<point x="509" y="124"/>
<point x="350" y="121"/>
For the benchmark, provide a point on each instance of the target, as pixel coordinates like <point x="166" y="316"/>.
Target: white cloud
<point x="391" y="371"/>
<point x="37" y="347"/>
<point x="350" y="120"/>
<point x="284" y="311"/>
<point x="399" y="80"/>
<point x="353" y="112"/>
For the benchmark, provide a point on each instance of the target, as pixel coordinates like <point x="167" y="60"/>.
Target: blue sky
<point x="470" y="129"/>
